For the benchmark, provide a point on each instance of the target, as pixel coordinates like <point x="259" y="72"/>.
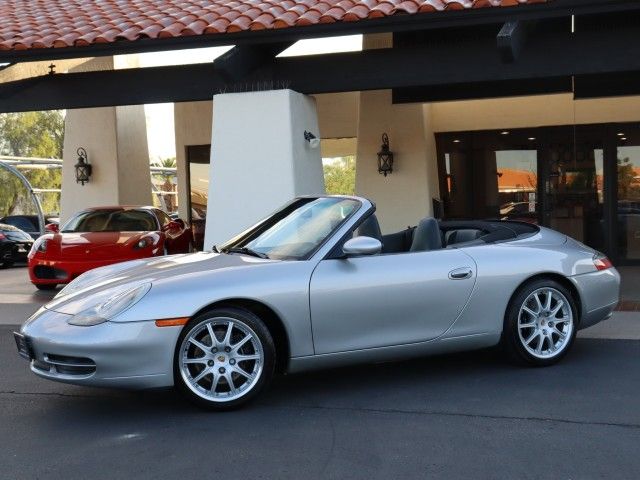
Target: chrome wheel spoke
<point x="549" y="298"/>
<point x="246" y="358"/>
<point x="557" y="308"/>
<point x="232" y="388"/>
<point x="227" y="337"/>
<point x="239" y="345"/>
<point x="531" y="337"/>
<point x="529" y="311"/>
<point x="201" y="375"/>
<point x="538" y="304"/>
<point x="528" y="325"/>
<point x="200" y="345"/>
<point x="195" y="361"/>
<point x="214" y="383"/>
<point x="240" y="371"/>
<point x="214" y="340"/>
<point x="540" y="342"/>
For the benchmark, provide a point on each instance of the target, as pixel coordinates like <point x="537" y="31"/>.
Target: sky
<point x="160" y="127"/>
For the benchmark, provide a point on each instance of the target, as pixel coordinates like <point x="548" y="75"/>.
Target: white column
<point x="115" y="139"/>
<point x="259" y="158"/>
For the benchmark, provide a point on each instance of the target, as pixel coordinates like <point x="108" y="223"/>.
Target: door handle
<point x="461" y="273"/>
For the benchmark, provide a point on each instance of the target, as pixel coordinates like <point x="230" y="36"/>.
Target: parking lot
<point x="456" y="416"/>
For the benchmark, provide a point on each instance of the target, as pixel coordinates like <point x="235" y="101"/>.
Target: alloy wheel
<point x="545" y="323"/>
<point x="221" y="359"/>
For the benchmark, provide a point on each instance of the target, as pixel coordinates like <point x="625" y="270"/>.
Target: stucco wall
<point x="192" y="127"/>
<point x="403" y="197"/>
<point x="532" y="111"/>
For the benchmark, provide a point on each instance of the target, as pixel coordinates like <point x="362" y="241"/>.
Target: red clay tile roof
<point x="34" y="24"/>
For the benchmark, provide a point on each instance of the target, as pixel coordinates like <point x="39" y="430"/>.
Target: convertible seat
<point x="369" y="228"/>
<point x="426" y="236"/>
<point x="462" y="236"/>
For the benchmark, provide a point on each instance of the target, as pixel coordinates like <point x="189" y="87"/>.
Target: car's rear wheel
<point x="7" y="264"/>
<point x="541" y="323"/>
<point x="224" y="358"/>
<point x="46" y="286"/>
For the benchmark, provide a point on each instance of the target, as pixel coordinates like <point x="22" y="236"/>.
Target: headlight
<point x="40" y="245"/>
<point x="145" y="242"/>
<point x="113" y="306"/>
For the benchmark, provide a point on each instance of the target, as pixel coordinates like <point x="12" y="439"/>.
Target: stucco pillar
<point x="405" y="196"/>
<point x="115" y="139"/>
<point x="259" y="158"/>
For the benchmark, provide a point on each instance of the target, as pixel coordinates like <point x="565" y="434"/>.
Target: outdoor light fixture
<point x="314" y="142"/>
<point x="385" y="157"/>
<point x="504" y="133"/>
<point x="83" y="169"/>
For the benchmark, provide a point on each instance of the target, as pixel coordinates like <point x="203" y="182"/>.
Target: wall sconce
<point x="385" y="157"/>
<point x="83" y="169"/>
<point x="314" y="142"/>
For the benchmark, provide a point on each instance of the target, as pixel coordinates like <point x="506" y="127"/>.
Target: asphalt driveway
<point x="458" y="416"/>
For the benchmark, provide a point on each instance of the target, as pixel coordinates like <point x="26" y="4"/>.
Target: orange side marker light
<point x="171" y="322"/>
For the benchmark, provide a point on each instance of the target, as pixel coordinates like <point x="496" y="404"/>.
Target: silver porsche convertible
<point x="318" y="285"/>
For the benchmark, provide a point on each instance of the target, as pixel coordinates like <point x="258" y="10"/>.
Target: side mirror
<point x="173" y="225"/>
<point x="362" y="246"/>
<point x="52" y="227"/>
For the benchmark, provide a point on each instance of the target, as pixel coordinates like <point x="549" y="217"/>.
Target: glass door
<point x="628" y="193"/>
<point x="574" y="183"/>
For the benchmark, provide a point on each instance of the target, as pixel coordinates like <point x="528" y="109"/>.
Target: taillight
<point x="601" y="261"/>
<point x="2" y="236"/>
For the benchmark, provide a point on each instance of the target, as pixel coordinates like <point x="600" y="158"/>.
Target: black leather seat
<point x="462" y="236"/>
<point x="369" y="228"/>
<point x="427" y="236"/>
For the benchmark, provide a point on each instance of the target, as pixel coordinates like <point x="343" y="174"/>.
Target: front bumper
<point x="43" y="272"/>
<point x="134" y="355"/>
<point x="599" y="293"/>
<point x="11" y="253"/>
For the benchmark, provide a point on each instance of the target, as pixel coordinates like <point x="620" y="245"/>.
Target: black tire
<point x="511" y="342"/>
<point x="46" y="286"/>
<point x="7" y="264"/>
<point x="254" y="324"/>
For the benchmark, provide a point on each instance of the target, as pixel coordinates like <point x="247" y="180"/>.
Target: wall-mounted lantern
<point x="83" y="169"/>
<point x="385" y="157"/>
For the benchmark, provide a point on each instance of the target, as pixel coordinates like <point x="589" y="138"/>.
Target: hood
<point x="96" y="286"/>
<point x="100" y="245"/>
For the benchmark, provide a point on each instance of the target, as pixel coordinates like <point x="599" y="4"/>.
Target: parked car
<point x="317" y="285"/>
<point x="29" y="223"/>
<point x="101" y="236"/>
<point x="14" y="245"/>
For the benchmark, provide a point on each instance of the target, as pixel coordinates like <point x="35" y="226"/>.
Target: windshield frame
<point x="258" y="229"/>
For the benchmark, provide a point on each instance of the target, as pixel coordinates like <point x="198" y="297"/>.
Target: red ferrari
<point x="101" y="236"/>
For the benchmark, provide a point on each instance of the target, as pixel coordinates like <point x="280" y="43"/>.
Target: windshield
<point x="295" y="232"/>
<point x="111" y="221"/>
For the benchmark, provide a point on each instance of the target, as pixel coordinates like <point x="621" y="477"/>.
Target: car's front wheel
<point x="224" y="358"/>
<point x="45" y="286"/>
<point x="541" y="323"/>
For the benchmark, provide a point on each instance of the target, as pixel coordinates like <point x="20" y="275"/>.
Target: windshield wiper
<point x="246" y="251"/>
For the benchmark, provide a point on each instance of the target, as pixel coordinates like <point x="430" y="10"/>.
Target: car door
<point x="383" y="300"/>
